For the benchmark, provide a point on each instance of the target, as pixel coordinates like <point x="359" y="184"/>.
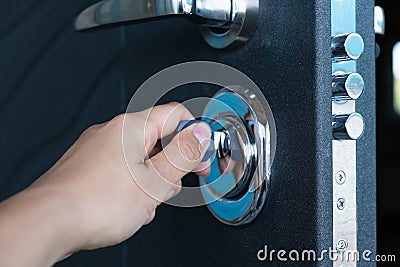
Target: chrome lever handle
<point x="106" y="12"/>
<point x="236" y="17"/>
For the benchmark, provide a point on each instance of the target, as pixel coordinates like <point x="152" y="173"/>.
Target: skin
<point x="94" y="196"/>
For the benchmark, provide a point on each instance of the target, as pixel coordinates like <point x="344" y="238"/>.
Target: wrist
<point x="35" y="223"/>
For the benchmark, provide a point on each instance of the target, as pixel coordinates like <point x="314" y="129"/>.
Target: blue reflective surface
<point x="216" y="184"/>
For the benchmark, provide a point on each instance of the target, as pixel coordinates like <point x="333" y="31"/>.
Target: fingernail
<point x="170" y="194"/>
<point x="202" y="132"/>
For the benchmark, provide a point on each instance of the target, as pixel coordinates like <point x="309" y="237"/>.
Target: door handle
<point x="221" y="22"/>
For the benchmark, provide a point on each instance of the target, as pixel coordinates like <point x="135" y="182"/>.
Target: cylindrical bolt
<point x="347" y="47"/>
<point x="340" y="177"/>
<point x="347" y="126"/>
<point x="379" y="20"/>
<point x="347" y="86"/>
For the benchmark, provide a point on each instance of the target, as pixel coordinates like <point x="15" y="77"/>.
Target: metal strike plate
<point x="347" y="127"/>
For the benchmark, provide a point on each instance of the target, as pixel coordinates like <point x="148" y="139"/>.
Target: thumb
<point x="183" y="154"/>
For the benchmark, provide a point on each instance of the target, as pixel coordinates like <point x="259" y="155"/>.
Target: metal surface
<point x="222" y="22"/>
<point x="346" y="124"/>
<point x="241" y="27"/>
<point x="346" y="46"/>
<point x="239" y="178"/>
<point x="347" y="86"/>
<point x="345" y="217"/>
<point x="379" y="20"/>
<point x="215" y="13"/>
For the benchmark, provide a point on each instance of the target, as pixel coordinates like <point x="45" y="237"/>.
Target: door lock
<point x="241" y="157"/>
<point x="221" y="22"/>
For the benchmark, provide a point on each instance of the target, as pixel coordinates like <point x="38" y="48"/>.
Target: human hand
<point x="92" y="197"/>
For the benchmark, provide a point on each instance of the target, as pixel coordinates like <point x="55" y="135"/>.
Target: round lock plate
<point x="237" y="184"/>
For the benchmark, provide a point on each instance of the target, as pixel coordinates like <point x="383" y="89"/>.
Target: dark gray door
<point x="56" y="82"/>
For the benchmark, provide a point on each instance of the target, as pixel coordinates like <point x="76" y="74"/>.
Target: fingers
<point x="162" y="170"/>
<point x="161" y="121"/>
<point x="203" y="169"/>
<point x="181" y="156"/>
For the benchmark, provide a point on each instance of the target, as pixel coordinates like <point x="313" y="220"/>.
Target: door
<point x="57" y="82"/>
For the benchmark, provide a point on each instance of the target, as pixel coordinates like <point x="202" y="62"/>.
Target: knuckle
<point x="150" y="134"/>
<point x="89" y="131"/>
<point x="151" y="207"/>
<point x="174" y="104"/>
<point x="151" y="218"/>
<point x="118" y="120"/>
<point x="116" y="123"/>
<point x="178" y="186"/>
<point x="181" y="109"/>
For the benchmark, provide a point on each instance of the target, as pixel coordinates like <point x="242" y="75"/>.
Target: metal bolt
<point x="379" y="20"/>
<point x="347" y="126"/>
<point x="340" y="203"/>
<point x="340" y="177"/>
<point x="341" y="245"/>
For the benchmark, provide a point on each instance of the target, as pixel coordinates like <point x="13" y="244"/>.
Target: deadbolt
<point x="347" y="86"/>
<point x="221" y="22"/>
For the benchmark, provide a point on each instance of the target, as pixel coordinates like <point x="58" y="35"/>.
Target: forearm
<point x="33" y="228"/>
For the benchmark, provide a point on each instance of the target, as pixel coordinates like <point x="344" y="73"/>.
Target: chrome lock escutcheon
<point x="221" y="22"/>
<point x="240" y="155"/>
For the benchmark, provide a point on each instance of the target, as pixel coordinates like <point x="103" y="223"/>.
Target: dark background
<point x="388" y="134"/>
<point x="55" y="82"/>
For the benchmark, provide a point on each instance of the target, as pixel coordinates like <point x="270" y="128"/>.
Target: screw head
<point x="341" y="245"/>
<point x="340" y="177"/>
<point x="340" y="203"/>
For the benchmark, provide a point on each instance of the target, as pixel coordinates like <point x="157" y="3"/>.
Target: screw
<point x="340" y="177"/>
<point x="341" y="245"/>
<point x="340" y="203"/>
